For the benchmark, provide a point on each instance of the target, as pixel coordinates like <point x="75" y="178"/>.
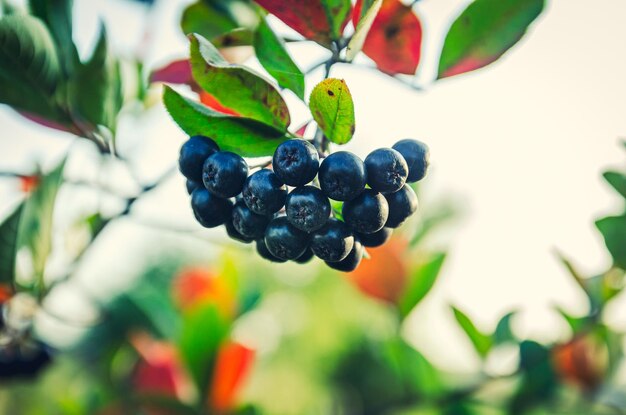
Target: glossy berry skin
<point x="402" y="204"/>
<point x="367" y="213"/>
<point x="307" y="208"/>
<point x="224" y="174"/>
<point x="193" y="153"/>
<point x="417" y="157"/>
<point x="352" y="261"/>
<point x="249" y="224"/>
<point x="264" y="193"/>
<point x="333" y="242"/>
<point x="342" y="176"/>
<point x="387" y="170"/>
<point x="305" y="258"/>
<point x="285" y="241"/>
<point x="296" y="162"/>
<point x="375" y="239"/>
<point x="193" y="185"/>
<point x="261" y="248"/>
<point x="234" y="233"/>
<point x="210" y="211"/>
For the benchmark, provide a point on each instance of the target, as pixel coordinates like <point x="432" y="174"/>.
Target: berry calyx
<point x="342" y="176"/>
<point x="247" y="223"/>
<point x="387" y="170"/>
<point x="193" y="153"/>
<point x="333" y="242"/>
<point x="402" y="204"/>
<point x="367" y="213"/>
<point x="307" y="208"/>
<point x="264" y="193"/>
<point x="352" y="261"/>
<point x="210" y="211"/>
<point x="296" y="162"/>
<point x="417" y="156"/>
<point x="224" y="174"/>
<point x="375" y="239"/>
<point x="285" y="241"/>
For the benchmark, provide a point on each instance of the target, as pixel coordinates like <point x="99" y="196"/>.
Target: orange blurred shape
<point x="583" y="361"/>
<point x="6" y="292"/>
<point x="232" y="367"/>
<point x="194" y="286"/>
<point x="28" y="183"/>
<point x="384" y="274"/>
<point x="210" y="101"/>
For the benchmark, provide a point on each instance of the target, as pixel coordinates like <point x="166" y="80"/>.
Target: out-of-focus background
<point x="517" y="154"/>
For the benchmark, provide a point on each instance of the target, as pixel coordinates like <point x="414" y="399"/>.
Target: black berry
<point x="264" y="193"/>
<point x="296" y="162"/>
<point x="333" y="242"/>
<point x="375" y="239"/>
<point x="387" y="170"/>
<point x="367" y="213"/>
<point x="247" y="223"/>
<point x="417" y="157"/>
<point x="193" y="154"/>
<point x="193" y="185"/>
<point x="234" y="233"/>
<point x="352" y="261"/>
<point x="308" y="209"/>
<point x="285" y="241"/>
<point x="306" y="257"/>
<point x="224" y="174"/>
<point x="342" y="176"/>
<point x="261" y="248"/>
<point x="402" y="204"/>
<point x="210" y="211"/>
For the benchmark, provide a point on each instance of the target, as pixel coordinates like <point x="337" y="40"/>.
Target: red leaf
<point x="232" y="366"/>
<point x="48" y="123"/>
<point x="394" y="41"/>
<point x="28" y="183"/>
<point x="177" y="72"/>
<point x="212" y="102"/>
<point x="300" y="131"/>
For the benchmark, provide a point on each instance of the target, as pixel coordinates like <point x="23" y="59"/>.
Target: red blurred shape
<point x="194" y="286"/>
<point x="394" y="41"/>
<point x="28" y="183"/>
<point x="468" y="64"/>
<point x="177" y="72"/>
<point x="232" y="367"/>
<point x="49" y="123"/>
<point x="582" y="361"/>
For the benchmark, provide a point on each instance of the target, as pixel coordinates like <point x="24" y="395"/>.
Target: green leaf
<point x="244" y="136"/>
<point x="236" y="87"/>
<point x="575" y="323"/>
<point x="57" y="15"/>
<point x="96" y="90"/>
<point x="8" y="245"/>
<point x="29" y="67"/>
<point x="613" y="229"/>
<point x="617" y="180"/>
<point x="35" y="230"/>
<point x="201" y="335"/>
<point x="207" y="19"/>
<point x="272" y="54"/>
<point x="236" y="37"/>
<point x="503" y="332"/>
<point x="416" y="371"/>
<point x="333" y="110"/>
<point x="338" y="13"/>
<point x="485" y="31"/>
<point x="420" y="283"/>
<point x="369" y="10"/>
<point x="481" y="342"/>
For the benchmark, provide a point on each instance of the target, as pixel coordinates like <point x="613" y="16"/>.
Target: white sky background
<point x="520" y="144"/>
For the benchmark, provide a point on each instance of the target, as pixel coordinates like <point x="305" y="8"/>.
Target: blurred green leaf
<point x="482" y="343"/>
<point x="237" y="87"/>
<point x="272" y="54"/>
<point x="503" y="333"/>
<point x="617" y="180"/>
<point x="338" y="13"/>
<point x="613" y="229"/>
<point x="431" y="219"/>
<point x="483" y="32"/>
<point x="155" y="302"/>
<point x="575" y="323"/>
<point x="369" y="10"/>
<point x="333" y="110"/>
<point x="420" y="283"/>
<point x="538" y="382"/>
<point x="419" y="375"/>
<point x="203" y="330"/>
<point x="207" y="18"/>
<point x="236" y="37"/>
<point x="8" y="245"/>
<point x="245" y="136"/>
<point x="35" y="229"/>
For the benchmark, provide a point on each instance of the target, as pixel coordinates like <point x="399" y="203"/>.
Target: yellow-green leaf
<point x="333" y="110"/>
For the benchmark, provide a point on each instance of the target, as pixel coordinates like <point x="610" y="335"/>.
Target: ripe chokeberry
<point x="306" y="257"/>
<point x="261" y="248"/>
<point x="210" y="210"/>
<point x="387" y="170"/>
<point x="285" y="241"/>
<point x="352" y="261"/>
<point x="417" y="157"/>
<point x="307" y="208"/>
<point x="234" y="233"/>
<point x="193" y="153"/>
<point x="333" y="242"/>
<point x="342" y="176"/>
<point x="224" y="174"/>
<point x="264" y="193"/>
<point x="402" y="204"/>
<point x="248" y="223"/>
<point x="367" y="213"/>
<point x="375" y="239"/>
<point x="192" y="185"/>
<point x="296" y="162"/>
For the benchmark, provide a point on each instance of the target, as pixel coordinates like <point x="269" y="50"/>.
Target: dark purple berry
<point x="367" y="213"/>
<point x="193" y="153"/>
<point x="342" y="176"/>
<point x="264" y="193"/>
<point x="387" y="170"/>
<point x="352" y="261"/>
<point x="307" y="208"/>
<point x="417" y="158"/>
<point x="333" y="242"/>
<point x="210" y="211"/>
<point x="224" y="174"/>
<point x="192" y="185"/>
<point x="261" y="248"/>
<point x="402" y="204"/>
<point x="306" y="257"/>
<point x="234" y="233"/>
<point x="375" y="239"/>
<point x="296" y="162"/>
<point x="247" y="223"/>
<point x="285" y="241"/>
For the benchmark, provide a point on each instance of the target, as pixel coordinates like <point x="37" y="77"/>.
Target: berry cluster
<point x="297" y="224"/>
